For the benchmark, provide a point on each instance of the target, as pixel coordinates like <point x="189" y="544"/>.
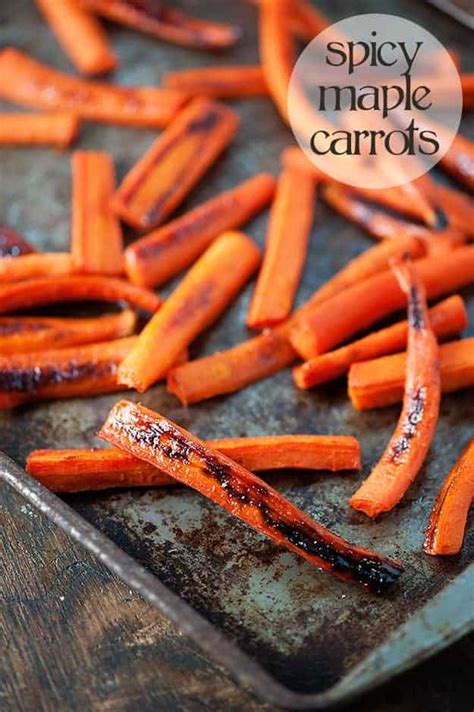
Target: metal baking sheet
<point x="303" y="628"/>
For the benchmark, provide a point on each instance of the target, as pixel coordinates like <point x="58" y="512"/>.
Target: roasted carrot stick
<point x="151" y="437"/>
<point x="445" y="532"/>
<point x="405" y="453"/>
<point x="458" y="207"/>
<point x="28" y="82"/>
<point x="47" y="290"/>
<point x="448" y="318"/>
<point x="22" y="334"/>
<point x="165" y="23"/>
<point x="96" y="242"/>
<point x="306" y="21"/>
<point x="379" y="382"/>
<point x="459" y="161"/>
<point x="222" y="82"/>
<point x="286" y="246"/>
<point x="53" y="129"/>
<point x="176" y="161"/>
<point x="12" y="244"/>
<point x="203" y="294"/>
<point x="40" y="264"/>
<point x="80" y="35"/>
<point x="164" y="253"/>
<point x="81" y="470"/>
<point x="323" y="326"/>
<point x="277" y="50"/>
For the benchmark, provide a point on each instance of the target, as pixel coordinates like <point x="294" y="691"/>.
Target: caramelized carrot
<point x="155" y="439"/>
<point x="54" y="129"/>
<point x="448" y="318"/>
<point x="176" y="161"/>
<point x="286" y="246"/>
<point x="459" y="161"/>
<point x="80" y="35"/>
<point x="22" y="334"/>
<point x="28" y="82"/>
<point x="96" y="242"/>
<point x="47" y="290"/>
<point x="164" y="253"/>
<point x="448" y="520"/>
<point x="322" y="326"/>
<point x="165" y="23"/>
<point x="37" y="264"/>
<point x="409" y="445"/>
<point x="277" y="50"/>
<point x="229" y="82"/>
<point x="12" y="244"/>
<point x="379" y="382"/>
<point x="458" y="207"/>
<point x="202" y="295"/>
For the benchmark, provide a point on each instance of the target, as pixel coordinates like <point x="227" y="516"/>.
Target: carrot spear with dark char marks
<point x="155" y="439"/>
<point x="57" y="129"/>
<point x="12" y="244"/>
<point x="228" y="82"/>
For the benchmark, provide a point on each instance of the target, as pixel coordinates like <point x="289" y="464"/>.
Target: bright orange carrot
<point x="448" y="318"/>
<point x="40" y="264"/>
<point x="286" y="246"/>
<point x="13" y="244"/>
<point x="53" y="129"/>
<point x="164" y="253"/>
<point x="323" y="326"/>
<point x="203" y="294"/>
<point x="277" y="50"/>
<point x="28" y="82"/>
<point x="96" y="242"/>
<point x="222" y="82"/>
<point x="176" y="161"/>
<point x="22" y="334"/>
<point x="405" y="453"/>
<point x="151" y="437"/>
<point x="467" y="84"/>
<point x="445" y="532"/>
<point x="47" y="290"/>
<point x="165" y="23"/>
<point x="80" y="35"/>
<point x="379" y="382"/>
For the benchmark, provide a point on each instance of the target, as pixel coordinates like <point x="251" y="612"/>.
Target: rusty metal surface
<point x="305" y="628"/>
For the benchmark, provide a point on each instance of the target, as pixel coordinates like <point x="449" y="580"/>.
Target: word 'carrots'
<point x="52" y="129"/>
<point x="155" y="439"/>
<point x="379" y="382"/>
<point x="176" y="161"/>
<point x="164" y="253"/>
<point x="80" y="35"/>
<point x="37" y="264"/>
<point x="31" y="83"/>
<point x="203" y="294"/>
<point x="447" y="319"/>
<point x="13" y="244"/>
<point x="96" y="234"/>
<point x="445" y="532"/>
<point x="228" y="82"/>
<point x="409" y="445"/>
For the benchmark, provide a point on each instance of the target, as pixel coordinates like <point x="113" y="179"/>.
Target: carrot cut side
<point x="155" y="439"/>
<point x="97" y="246"/>
<point x="277" y="50"/>
<point x="37" y="264"/>
<point x="80" y="35"/>
<point x="206" y="290"/>
<point x="52" y="129"/>
<point x="445" y="532"/>
<point x="29" y="82"/>
<point x="379" y="382"/>
<point x="229" y="82"/>
<point x="12" y="244"/>
<point x="27" y="333"/>
<point x="176" y="161"/>
<point x="164" y="253"/>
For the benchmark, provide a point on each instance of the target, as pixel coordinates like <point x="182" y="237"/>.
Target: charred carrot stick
<point x="151" y="437"/>
<point x="445" y="532"/>
<point x="47" y="290"/>
<point x="56" y="129"/>
<point x="175" y="162"/>
<point x="448" y="318"/>
<point x="322" y="326"/>
<point x="379" y="382"/>
<point x="96" y="242"/>
<point x="31" y="83"/>
<point x="12" y="244"/>
<point x="286" y="246"/>
<point x="277" y="50"/>
<point x="165" y="252"/>
<point x="41" y="264"/>
<point x="166" y="23"/>
<point x="80" y="35"/>
<point x="201" y="296"/>
<point x="229" y="82"/>
<point x="409" y="445"/>
<point x="22" y="334"/>
<point x="458" y="207"/>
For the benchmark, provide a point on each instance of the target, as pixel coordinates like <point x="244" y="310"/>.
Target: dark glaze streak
<point x="410" y="425"/>
<point x="151" y="8"/>
<point x="416" y="316"/>
<point x="19" y="327"/>
<point x="31" y="380"/>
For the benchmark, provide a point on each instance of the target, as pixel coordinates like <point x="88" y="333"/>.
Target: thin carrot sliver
<point x="202" y="295"/>
<point x="445" y="532"/>
<point x="175" y="162"/>
<point x="277" y="50"/>
<point x="12" y="244"/>
<point x="164" y="253"/>
<point x="37" y="264"/>
<point x="96" y="242"/>
<point x="221" y="82"/>
<point x="57" y="129"/>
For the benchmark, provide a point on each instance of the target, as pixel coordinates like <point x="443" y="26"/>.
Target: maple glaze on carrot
<point x="36" y="264"/>
<point x="57" y="129"/>
<point x="12" y="244"/>
<point x="221" y="82"/>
